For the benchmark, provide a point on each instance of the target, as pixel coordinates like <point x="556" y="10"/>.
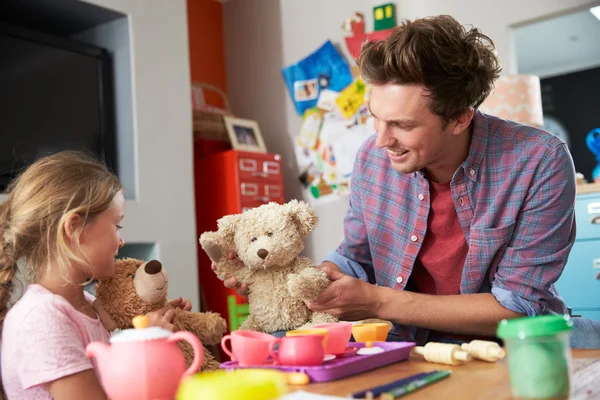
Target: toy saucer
<point x="350" y="350"/>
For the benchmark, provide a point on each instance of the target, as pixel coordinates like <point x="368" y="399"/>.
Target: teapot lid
<point x="140" y="332"/>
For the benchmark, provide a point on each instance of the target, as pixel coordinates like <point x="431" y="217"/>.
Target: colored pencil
<point x="378" y="390"/>
<point x="415" y="385"/>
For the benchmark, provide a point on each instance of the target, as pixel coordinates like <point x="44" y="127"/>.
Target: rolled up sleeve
<point x="543" y="237"/>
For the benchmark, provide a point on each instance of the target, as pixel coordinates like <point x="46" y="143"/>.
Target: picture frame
<point x="245" y="134"/>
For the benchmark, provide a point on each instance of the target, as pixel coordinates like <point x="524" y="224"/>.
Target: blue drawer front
<point x="587" y="207"/>
<point x="591" y="314"/>
<point x="578" y="285"/>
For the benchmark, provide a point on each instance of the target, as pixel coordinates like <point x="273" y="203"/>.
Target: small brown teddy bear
<point x="140" y="287"/>
<point x="268" y="240"/>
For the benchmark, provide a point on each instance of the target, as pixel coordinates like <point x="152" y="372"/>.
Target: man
<point x="460" y="218"/>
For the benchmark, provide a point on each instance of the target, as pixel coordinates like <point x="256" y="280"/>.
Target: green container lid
<point x="528" y="327"/>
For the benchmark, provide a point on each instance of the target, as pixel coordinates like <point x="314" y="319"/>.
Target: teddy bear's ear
<point x="303" y="215"/>
<point x="228" y="225"/>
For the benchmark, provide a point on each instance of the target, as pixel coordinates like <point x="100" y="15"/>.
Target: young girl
<point x="61" y="223"/>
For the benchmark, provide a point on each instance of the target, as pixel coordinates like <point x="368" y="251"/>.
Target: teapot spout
<point x="97" y="350"/>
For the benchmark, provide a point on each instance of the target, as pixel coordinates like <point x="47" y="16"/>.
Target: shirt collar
<point x="476" y="150"/>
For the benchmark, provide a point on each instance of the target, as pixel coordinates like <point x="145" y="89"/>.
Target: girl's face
<point x="101" y="240"/>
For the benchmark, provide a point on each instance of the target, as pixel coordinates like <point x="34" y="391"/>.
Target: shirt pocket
<point x="486" y="247"/>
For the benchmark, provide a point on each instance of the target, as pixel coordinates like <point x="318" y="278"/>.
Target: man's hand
<point x="241" y="288"/>
<point x="346" y="297"/>
<point x="180" y="302"/>
<point x="162" y="318"/>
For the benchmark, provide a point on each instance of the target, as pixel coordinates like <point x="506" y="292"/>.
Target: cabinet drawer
<point x="253" y="194"/>
<point x="260" y="167"/>
<point x="587" y="215"/>
<point x="578" y="285"/>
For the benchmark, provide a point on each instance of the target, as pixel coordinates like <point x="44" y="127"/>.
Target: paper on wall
<point x="311" y="126"/>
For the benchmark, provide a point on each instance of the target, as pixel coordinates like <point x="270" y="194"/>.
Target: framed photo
<point x="245" y="134"/>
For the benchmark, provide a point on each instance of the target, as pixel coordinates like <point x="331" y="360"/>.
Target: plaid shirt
<point x="514" y="196"/>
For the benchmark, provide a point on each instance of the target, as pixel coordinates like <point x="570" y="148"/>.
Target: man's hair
<point x="457" y="66"/>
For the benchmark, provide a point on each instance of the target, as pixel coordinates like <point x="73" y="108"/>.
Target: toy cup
<point x="338" y="336"/>
<point x="311" y="331"/>
<point x="376" y="332"/>
<point x="539" y="357"/>
<point x="300" y="351"/>
<point x="249" y="348"/>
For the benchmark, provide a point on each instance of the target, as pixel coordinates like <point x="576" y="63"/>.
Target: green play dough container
<point x="539" y="355"/>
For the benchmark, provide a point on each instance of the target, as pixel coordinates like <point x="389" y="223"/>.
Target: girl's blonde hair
<point x="39" y="201"/>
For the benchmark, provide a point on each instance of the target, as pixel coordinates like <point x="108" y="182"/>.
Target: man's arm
<point x="542" y="239"/>
<point x="476" y="314"/>
<point x="353" y="256"/>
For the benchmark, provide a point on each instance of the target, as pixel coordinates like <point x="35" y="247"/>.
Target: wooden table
<point x="473" y="380"/>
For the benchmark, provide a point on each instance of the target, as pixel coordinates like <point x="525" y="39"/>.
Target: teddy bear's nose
<point x="262" y="253"/>
<point x="153" y="267"/>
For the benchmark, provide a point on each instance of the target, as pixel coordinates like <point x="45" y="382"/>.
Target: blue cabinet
<point x="578" y="284"/>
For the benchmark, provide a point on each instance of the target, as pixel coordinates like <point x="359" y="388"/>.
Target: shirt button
<point x="414" y="238"/>
<point x="421" y="197"/>
<point x="472" y="172"/>
<point x="399" y="279"/>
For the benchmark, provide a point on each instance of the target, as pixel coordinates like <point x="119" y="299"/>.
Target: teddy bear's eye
<point x="253" y="240"/>
<point x="270" y="234"/>
<point x="131" y="276"/>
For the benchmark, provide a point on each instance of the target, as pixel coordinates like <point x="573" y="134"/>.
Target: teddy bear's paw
<point x="214" y="326"/>
<point x="250" y="324"/>
<point x="211" y="246"/>
<point x="322" y="318"/>
<point x="308" y="284"/>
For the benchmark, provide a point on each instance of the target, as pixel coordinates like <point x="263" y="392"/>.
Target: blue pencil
<point x="415" y="385"/>
<point x="378" y="390"/>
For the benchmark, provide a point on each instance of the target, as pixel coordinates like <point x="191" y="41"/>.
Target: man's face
<point x="414" y="137"/>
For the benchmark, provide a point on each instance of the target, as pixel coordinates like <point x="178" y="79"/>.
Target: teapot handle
<point x="272" y="350"/>
<point x="196" y="345"/>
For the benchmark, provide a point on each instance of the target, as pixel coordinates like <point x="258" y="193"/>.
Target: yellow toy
<point x="443" y="353"/>
<point x="484" y="350"/>
<point x="234" y="385"/>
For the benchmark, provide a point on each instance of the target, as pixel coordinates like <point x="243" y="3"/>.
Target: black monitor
<point x="55" y="94"/>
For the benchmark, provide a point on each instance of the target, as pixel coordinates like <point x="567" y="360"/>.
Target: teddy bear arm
<point x="208" y="326"/>
<point x="322" y="318"/>
<point x="307" y="284"/>
<point x="250" y="324"/>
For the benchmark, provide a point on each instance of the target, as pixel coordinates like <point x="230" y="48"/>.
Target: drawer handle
<point x="595" y="220"/>
<point x="596" y="263"/>
<point x="263" y="199"/>
<point x="593" y="208"/>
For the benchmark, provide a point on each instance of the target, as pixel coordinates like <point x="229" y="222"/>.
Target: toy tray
<point x="341" y="367"/>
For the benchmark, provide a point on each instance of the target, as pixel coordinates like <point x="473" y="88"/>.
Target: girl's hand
<point x="180" y="302"/>
<point x="162" y="318"/>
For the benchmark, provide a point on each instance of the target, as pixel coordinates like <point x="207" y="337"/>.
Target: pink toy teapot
<point x="145" y="362"/>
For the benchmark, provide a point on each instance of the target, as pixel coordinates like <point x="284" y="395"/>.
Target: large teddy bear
<point x="140" y="287"/>
<point x="268" y="240"/>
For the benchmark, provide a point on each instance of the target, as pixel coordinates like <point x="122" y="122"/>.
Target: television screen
<point x="54" y="95"/>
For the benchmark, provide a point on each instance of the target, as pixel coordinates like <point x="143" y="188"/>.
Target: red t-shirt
<point x="439" y="265"/>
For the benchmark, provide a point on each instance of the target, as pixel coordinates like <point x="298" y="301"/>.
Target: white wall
<point x="163" y="211"/>
<point x="262" y="36"/>
<point x="561" y="45"/>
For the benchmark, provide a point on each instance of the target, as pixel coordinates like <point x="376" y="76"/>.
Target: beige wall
<point x="262" y="36"/>
<point x="163" y="211"/>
